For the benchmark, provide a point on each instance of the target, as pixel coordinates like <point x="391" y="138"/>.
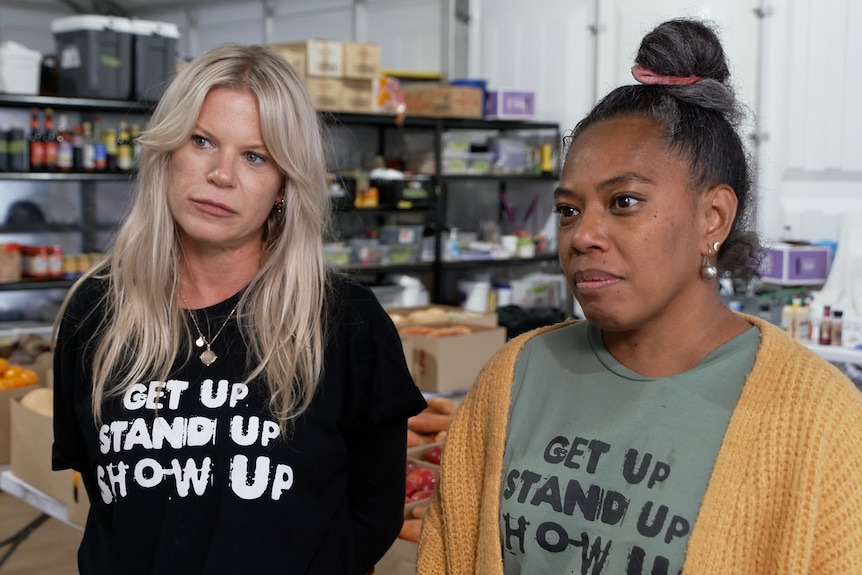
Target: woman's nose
<point x="588" y="232"/>
<point x="221" y="172"/>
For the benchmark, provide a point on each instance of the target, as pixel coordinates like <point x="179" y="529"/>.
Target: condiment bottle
<point x="37" y="147"/>
<point x="825" y="336"/>
<point x="17" y="151"/>
<point x="837" y="327"/>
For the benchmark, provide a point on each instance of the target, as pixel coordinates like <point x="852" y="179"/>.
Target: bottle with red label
<point x="65" y="151"/>
<point x="37" y="147"/>
<point x="49" y="140"/>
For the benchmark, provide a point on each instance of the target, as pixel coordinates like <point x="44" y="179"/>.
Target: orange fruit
<point x="4" y="364"/>
<point x="29" y="377"/>
<point x="13" y="371"/>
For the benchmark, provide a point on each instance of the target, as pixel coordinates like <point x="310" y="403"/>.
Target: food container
<point x="401" y="235"/>
<point x="336" y="254"/>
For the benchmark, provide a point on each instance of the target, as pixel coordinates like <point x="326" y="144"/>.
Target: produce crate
<point x="446" y="364"/>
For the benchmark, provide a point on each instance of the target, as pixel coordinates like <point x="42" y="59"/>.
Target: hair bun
<point x="684" y="47"/>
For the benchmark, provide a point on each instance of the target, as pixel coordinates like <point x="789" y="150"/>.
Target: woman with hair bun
<point x="665" y="433"/>
<point x="233" y="405"/>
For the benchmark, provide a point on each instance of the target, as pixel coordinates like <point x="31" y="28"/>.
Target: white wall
<point x="811" y="157"/>
<point x="547" y="47"/>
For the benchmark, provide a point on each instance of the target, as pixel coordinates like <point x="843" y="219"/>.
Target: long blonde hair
<point x="281" y="312"/>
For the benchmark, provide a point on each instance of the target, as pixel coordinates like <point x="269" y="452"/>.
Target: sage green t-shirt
<point x="605" y="470"/>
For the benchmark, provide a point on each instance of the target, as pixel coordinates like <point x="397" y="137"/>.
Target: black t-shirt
<point x="191" y="475"/>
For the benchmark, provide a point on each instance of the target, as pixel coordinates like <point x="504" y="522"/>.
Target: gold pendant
<point x="208" y="357"/>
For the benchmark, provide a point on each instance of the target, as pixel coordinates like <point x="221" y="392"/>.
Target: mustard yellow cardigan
<point x="784" y="498"/>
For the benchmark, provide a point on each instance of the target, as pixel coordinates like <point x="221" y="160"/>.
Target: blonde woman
<point x="233" y="405"/>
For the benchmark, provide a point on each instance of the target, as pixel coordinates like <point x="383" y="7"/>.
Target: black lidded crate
<point x="154" y="47"/>
<point x="94" y="56"/>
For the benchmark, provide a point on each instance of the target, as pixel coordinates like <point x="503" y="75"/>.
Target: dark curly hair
<point x="700" y="122"/>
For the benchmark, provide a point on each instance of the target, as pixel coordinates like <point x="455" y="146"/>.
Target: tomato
<point x="420" y="479"/>
<point x="434" y="454"/>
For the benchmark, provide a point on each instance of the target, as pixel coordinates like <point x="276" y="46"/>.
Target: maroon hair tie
<point x="647" y="76"/>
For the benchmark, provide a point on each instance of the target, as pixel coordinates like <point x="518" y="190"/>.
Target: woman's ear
<point x="718" y="212"/>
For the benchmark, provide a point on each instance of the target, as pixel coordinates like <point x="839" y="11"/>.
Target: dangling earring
<point x="709" y="271"/>
<point x="279" y="207"/>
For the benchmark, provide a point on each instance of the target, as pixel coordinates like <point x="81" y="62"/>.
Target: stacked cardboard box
<point x="451" y="363"/>
<point x="444" y="101"/>
<point x="339" y="76"/>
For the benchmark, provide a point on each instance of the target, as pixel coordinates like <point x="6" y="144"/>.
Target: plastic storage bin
<point x="401" y="235"/>
<point x="154" y="46"/>
<point x="19" y="69"/>
<point x="94" y="56"/>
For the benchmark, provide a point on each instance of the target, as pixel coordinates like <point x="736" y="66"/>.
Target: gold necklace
<point x="207" y="356"/>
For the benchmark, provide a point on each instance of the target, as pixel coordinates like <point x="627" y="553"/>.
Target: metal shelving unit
<point x="442" y="181"/>
<point x="89" y="227"/>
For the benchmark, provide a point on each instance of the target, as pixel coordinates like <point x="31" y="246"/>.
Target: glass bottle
<point x="49" y="139"/>
<point x="37" y="147"/>
<point x="109" y="137"/>
<point x="88" y="160"/>
<point x="65" y="153"/>
<point x="837" y="327"/>
<point x="100" y="154"/>
<point x="78" y="148"/>
<point x="124" y="147"/>
<point x="134" y="133"/>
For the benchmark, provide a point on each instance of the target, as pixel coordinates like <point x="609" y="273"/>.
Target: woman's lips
<point x="213" y="208"/>
<point x="594" y="279"/>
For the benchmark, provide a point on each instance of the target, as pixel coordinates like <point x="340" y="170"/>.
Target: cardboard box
<point x="446" y="364"/>
<point x="361" y="61"/>
<point x="790" y="264"/>
<point x="45" y="379"/>
<point x="6" y="399"/>
<point x="293" y="53"/>
<point x="439" y="101"/>
<point x="325" y="93"/>
<point x="454" y="314"/>
<point x="32" y="437"/>
<point x="357" y="95"/>
<point x="407" y="346"/>
<point x="510" y="105"/>
<point x="313" y="57"/>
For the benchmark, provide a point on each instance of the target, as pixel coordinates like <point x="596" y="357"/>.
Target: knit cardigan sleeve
<point x="785" y="495"/>
<point x="460" y="532"/>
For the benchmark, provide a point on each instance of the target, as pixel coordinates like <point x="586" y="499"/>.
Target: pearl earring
<point x="708" y="270"/>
